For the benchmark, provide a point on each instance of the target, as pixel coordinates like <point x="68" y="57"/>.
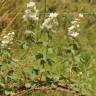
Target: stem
<point x="46" y="89"/>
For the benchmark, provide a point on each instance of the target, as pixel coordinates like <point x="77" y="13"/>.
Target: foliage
<point x="47" y="45"/>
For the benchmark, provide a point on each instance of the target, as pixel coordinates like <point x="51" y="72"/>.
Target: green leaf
<point x="10" y="72"/>
<point x="42" y="62"/>
<point x="76" y="69"/>
<point x="50" y="61"/>
<point x="39" y="56"/>
<point x="85" y="57"/>
<point x="50" y="50"/>
<point x="25" y="46"/>
<point x="49" y="80"/>
<point x="36" y="71"/>
<point x="7" y="93"/>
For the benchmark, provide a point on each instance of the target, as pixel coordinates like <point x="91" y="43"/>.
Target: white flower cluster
<point x="50" y="21"/>
<point x="31" y="12"/>
<point x="7" y="39"/>
<point x="73" y="29"/>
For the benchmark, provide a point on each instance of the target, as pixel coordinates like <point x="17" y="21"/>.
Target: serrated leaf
<point x="39" y="56"/>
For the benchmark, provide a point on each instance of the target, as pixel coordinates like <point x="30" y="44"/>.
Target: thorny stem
<point x="46" y="89"/>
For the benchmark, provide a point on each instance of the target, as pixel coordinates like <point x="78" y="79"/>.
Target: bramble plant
<point x="48" y="54"/>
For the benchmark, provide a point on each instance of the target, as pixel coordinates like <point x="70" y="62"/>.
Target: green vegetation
<point x="47" y="48"/>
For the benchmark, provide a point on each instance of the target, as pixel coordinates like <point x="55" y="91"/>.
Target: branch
<point x="46" y="89"/>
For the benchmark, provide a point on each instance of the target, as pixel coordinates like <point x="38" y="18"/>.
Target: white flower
<point x="71" y="28"/>
<point x="27" y="11"/>
<point x="74" y="22"/>
<point x="25" y="18"/>
<point x="77" y="25"/>
<point x="13" y="33"/>
<point x="81" y="15"/>
<point x="5" y="42"/>
<point x="80" y="73"/>
<point x="46" y="24"/>
<point x="7" y="39"/>
<point x="31" y="12"/>
<point x="34" y="17"/>
<point x="53" y="15"/>
<point x="77" y="19"/>
<point x="50" y="21"/>
<point x="27" y="85"/>
<point x="30" y="4"/>
<point x="73" y="34"/>
<point x="28" y="31"/>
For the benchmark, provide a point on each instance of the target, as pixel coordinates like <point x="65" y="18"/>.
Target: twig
<point x="45" y="89"/>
